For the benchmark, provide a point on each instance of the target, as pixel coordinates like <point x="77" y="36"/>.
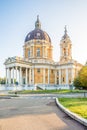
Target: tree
<point x="83" y="77"/>
<point x="77" y="82"/>
<point x="2" y="80"/>
<point x="81" y="80"/>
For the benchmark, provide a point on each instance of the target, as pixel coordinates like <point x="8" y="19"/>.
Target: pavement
<point x="34" y="113"/>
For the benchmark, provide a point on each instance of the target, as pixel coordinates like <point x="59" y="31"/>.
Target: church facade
<point x="37" y="65"/>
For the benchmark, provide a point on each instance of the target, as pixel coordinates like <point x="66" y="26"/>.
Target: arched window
<point x="64" y="52"/>
<point x="38" y="51"/>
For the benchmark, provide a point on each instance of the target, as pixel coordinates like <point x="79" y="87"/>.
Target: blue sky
<point x="17" y="18"/>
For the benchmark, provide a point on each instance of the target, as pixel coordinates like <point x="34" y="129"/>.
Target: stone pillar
<point x="13" y="75"/>
<point x="20" y="75"/>
<point x="67" y="80"/>
<point x="72" y="73"/>
<point x="43" y="51"/>
<point x="30" y="76"/>
<point x="46" y="52"/>
<point x="26" y="76"/>
<point x="16" y="74"/>
<point x="33" y="51"/>
<point x="6" y="76"/>
<point x="44" y="76"/>
<point x="30" y="51"/>
<point x="55" y="76"/>
<point x="9" y="77"/>
<point x="48" y="76"/>
<point x="60" y="77"/>
<point x="33" y="75"/>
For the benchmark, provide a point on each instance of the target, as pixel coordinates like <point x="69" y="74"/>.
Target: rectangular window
<point x="57" y="73"/>
<point x="51" y="71"/>
<point x="29" y="53"/>
<point x="38" y="51"/>
<point x="38" y="70"/>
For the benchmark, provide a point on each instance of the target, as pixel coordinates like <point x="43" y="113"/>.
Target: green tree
<point x="2" y="80"/>
<point x="83" y="77"/>
<point x="81" y="80"/>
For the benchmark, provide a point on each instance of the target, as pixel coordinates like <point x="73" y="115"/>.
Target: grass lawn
<point x="76" y="105"/>
<point x="48" y="91"/>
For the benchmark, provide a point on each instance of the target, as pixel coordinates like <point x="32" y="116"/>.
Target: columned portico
<point x="15" y="73"/>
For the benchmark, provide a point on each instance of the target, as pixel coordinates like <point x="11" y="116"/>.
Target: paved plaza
<point x="34" y="113"/>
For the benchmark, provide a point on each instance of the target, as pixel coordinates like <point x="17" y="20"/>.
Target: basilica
<point x="37" y="65"/>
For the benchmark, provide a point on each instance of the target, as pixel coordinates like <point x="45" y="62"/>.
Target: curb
<point x="5" y="97"/>
<point x="71" y="114"/>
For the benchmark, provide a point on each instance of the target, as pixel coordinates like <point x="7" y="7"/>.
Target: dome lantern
<point x="37" y="23"/>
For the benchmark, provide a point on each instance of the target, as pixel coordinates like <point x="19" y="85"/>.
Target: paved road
<point x="34" y="113"/>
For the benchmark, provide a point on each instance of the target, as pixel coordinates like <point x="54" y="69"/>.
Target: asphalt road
<point x="34" y="113"/>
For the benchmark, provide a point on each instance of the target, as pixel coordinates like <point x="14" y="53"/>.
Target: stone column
<point x="20" y="75"/>
<point x="72" y="74"/>
<point x="9" y="78"/>
<point x="13" y="75"/>
<point x="46" y="52"/>
<point x="16" y="74"/>
<point x="26" y="76"/>
<point x="30" y="76"/>
<point x="55" y="76"/>
<point x="33" y="75"/>
<point x="60" y="77"/>
<point x="43" y="75"/>
<point x="33" y="51"/>
<point x="30" y="51"/>
<point x="67" y="80"/>
<point x="48" y="76"/>
<point x="6" y="76"/>
<point x="43" y="51"/>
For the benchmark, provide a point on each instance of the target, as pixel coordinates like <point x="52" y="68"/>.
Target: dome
<point x="37" y="33"/>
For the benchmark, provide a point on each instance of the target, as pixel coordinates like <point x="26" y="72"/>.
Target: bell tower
<point x="65" y="47"/>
